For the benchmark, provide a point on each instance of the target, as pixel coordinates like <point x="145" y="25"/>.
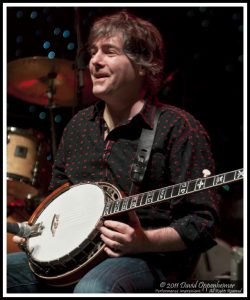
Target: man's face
<point x="112" y="73"/>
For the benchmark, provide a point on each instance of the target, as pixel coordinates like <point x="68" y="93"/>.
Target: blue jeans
<point x="113" y="275"/>
<point x="137" y="274"/>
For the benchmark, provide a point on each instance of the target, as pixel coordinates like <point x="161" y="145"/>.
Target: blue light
<point x="190" y="13"/>
<point x="42" y="115"/>
<point x="202" y="9"/>
<point x="205" y="23"/>
<point x="58" y="118"/>
<point x="66" y="33"/>
<point x="46" y="45"/>
<point x="49" y="18"/>
<point x="19" y="14"/>
<point x="71" y="46"/>
<point x="49" y="157"/>
<point x="46" y="10"/>
<point x="57" y="31"/>
<point x="51" y="54"/>
<point x="32" y="108"/>
<point x="19" y="39"/>
<point x="229" y="68"/>
<point x="33" y="15"/>
<point x="226" y="187"/>
<point x="236" y="16"/>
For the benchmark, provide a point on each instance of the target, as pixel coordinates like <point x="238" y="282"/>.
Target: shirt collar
<point x="146" y="115"/>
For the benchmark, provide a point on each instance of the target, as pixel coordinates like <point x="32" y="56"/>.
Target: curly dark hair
<point x="143" y="43"/>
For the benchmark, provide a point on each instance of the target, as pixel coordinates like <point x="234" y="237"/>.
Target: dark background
<point x="204" y="72"/>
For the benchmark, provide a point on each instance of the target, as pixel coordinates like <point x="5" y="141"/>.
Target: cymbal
<point x="30" y="79"/>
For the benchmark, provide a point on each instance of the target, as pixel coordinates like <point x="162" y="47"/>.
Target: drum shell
<point x="28" y="170"/>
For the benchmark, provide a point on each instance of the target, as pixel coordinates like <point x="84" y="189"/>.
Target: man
<point x="159" y="243"/>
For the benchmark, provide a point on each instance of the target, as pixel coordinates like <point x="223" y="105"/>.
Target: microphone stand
<point x="79" y="62"/>
<point x="50" y="93"/>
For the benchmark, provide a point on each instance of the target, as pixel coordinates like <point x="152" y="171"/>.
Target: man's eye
<point x="111" y="52"/>
<point x="92" y="51"/>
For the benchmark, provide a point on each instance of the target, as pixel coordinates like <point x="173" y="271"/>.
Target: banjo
<point x="67" y="243"/>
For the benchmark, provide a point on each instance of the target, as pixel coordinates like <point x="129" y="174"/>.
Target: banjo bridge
<point x="54" y="224"/>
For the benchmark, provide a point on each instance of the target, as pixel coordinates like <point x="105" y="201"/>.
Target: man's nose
<point x="97" y="58"/>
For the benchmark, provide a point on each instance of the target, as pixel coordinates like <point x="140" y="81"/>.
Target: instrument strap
<point x="140" y="163"/>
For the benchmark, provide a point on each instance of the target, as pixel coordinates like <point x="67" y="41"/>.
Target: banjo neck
<point x="170" y="192"/>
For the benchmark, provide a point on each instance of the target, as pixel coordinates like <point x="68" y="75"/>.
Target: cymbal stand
<point x="50" y="93"/>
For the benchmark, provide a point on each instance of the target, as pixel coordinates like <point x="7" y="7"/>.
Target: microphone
<point x="80" y="66"/>
<point x="80" y="56"/>
<point x="24" y="229"/>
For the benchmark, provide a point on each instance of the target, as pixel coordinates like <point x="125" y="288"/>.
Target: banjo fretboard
<point x="167" y="193"/>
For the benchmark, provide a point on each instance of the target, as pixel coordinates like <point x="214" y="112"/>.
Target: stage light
<point x="66" y="33"/>
<point x="51" y="54"/>
<point x="32" y="108"/>
<point x="202" y="9"/>
<point x="19" y="14"/>
<point x="42" y="115"/>
<point x="236" y="16"/>
<point x="190" y="13"/>
<point x="229" y="68"/>
<point x="49" y="18"/>
<point x="49" y="157"/>
<point x="58" y="118"/>
<point x="240" y="58"/>
<point x="226" y="187"/>
<point x="19" y="39"/>
<point x="33" y="15"/>
<point x="57" y="31"/>
<point x="71" y="46"/>
<point x="46" y="10"/>
<point x="205" y="23"/>
<point x="46" y="45"/>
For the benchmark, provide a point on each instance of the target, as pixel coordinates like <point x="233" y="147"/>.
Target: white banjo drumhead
<point x="68" y="220"/>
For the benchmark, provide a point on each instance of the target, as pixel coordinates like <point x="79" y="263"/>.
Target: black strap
<point x="143" y="153"/>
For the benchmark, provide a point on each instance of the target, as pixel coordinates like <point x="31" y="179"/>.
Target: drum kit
<point x="46" y="82"/>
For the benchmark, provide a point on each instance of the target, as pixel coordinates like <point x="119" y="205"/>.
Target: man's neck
<point x="115" y="115"/>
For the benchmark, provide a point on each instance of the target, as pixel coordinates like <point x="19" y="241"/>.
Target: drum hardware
<point x="28" y="79"/>
<point x="36" y="165"/>
<point x="50" y="94"/>
<point x="236" y="263"/>
<point x="31" y="203"/>
<point x="225" y="263"/>
<point x="23" y="229"/>
<point x="35" y="171"/>
<point x="15" y="215"/>
<point x="48" y="82"/>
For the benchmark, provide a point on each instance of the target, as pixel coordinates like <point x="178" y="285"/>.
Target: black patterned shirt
<point x="180" y="152"/>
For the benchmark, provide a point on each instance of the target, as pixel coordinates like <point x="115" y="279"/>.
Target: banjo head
<point x="67" y="221"/>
